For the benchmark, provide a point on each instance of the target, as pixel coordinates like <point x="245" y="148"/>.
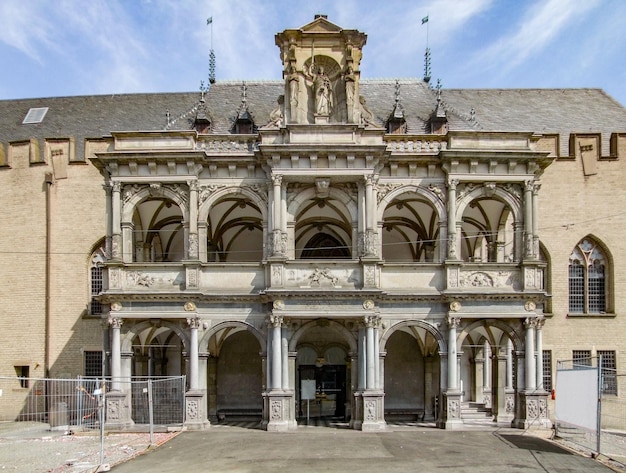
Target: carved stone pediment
<point x="321" y="25"/>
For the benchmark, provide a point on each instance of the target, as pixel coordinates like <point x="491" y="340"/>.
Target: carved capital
<point x="530" y="322"/>
<point x="277" y="179"/>
<point x="453" y="322"/>
<point x="194" y="323"/>
<point x="275" y="320"/>
<point x="115" y="322"/>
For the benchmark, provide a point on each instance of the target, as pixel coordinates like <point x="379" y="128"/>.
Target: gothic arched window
<point x="96" y="278"/>
<point x="587" y="279"/>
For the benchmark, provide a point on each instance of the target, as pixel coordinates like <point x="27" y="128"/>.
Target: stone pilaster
<point x="196" y="417"/>
<point x="533" y="411"/>
<point x="118" y="411"/>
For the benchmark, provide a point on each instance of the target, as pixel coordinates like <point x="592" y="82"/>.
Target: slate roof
<point x="561" y="111"/>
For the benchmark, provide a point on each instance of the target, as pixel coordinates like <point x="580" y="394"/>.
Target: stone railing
<point x="403" y="144"/>
<point x="228" y="144"/>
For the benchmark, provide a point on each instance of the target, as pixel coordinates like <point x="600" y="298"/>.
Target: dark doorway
<point x="330" y="391"/>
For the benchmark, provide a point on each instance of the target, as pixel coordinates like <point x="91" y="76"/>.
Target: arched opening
<point x="323" y="246"/>
<point x="158" y="233"/>
<point x="323" y="229"/>
<point x="323" y="371"/>
<point x="488" y="231"/>
<point x="235" y="230"/>
<point x="157" y="353"/>
<point x="236" y="376"/>
<point x="410" y="230"/>
<point x="412" y="374"/>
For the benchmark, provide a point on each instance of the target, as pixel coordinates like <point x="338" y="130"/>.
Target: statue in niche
<point x="322" y="86"/>
<point x="323" y="92"/>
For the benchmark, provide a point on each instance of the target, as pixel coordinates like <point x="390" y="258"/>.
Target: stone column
<point x="453" y="323"/>
<point x="193" y="219"/>
<point x="194" y="325"/>
<point x="531" y="379"/>
<point x="487" y="374"/>
<point x="509" y="390"/>
<point x="503" y="414"/>
<point x="528" y="218"/>
<point x="279" y="403"/>
<point x="371" y="354"/>
<point x="452" y="243"/>
<point x="116" y="353"/>
<point x="276" y="370"/>
<point x="284" y="359"/>
<point x="116" y="221"/>
<point x="118" y="402"/>
<point x="109" y="220"/>
<point x="535" y="226"/>
<point x="370" y="239"/>
<point x="539" y="351"/>
<point x="452" y="397"/>
<point x="362" y="359"/>
<point x="479" y="370"/>
<point x="278" y="249"/>
<point x="509" y="364"/>
<point x="369" y="402"/>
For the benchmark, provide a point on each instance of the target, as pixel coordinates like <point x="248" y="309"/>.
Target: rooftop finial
<point x="209" y="22"/>
<point x="427" y="74"/>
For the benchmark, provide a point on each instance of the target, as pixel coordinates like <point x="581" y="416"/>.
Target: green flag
<point x="425" y="20"/>
<point x="210" y="20"/>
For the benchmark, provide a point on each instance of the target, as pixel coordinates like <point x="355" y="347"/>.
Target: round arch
<point x="308" y="194"/>
<point x="135" y="330"/>
<point x="425" y="192"/>
<point x="205" y="207"/>
<point x="214" y="330"/>
<point x="507" y="329"/>
<point x="147" y="192"/>
<point x="498" y="194"/>
<point x="337" y="327"/>
<point x="414" y="323"/>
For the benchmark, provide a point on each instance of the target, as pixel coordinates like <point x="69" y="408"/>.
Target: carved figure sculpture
<point x="323" y="90"/>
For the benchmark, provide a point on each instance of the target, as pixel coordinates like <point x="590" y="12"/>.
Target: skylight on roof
<point x="35" y="115"/>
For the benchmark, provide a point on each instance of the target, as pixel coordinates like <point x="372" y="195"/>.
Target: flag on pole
<point x="210" y="20"/>
<point x="425" y="20"/>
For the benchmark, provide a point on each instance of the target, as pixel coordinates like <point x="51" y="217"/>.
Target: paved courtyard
<point x="316" y="449"/>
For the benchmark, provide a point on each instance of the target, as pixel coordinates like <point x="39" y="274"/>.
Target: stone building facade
<point x="323" y="245"/>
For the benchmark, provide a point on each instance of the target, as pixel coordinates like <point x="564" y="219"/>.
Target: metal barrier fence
<point x="76" y="402"/>
<point x="605" y="431"/>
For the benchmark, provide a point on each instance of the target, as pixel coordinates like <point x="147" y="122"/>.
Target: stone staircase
<point x="475" y="413"/>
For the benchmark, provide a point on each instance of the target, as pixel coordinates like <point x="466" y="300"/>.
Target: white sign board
<point x="577" y="397"/>
<point x="307" y="389"/>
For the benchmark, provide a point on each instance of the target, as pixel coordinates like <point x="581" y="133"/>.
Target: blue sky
<point x="85" y="47"/>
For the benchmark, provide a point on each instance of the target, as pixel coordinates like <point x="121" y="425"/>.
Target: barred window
<point x="581" y="358"/>
<point x="587" y="279"/>
<point x="93" y="364"/>
<point x="609" y="372"/>
<point x="96" y="281"/>
<point x="547" y="370"/>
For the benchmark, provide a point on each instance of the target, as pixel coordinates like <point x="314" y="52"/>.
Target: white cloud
<point x="25" y="28"/>
<point x="541" y="24"/>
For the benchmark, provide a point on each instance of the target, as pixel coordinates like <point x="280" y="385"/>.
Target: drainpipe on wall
<point x="49" y="180"/>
